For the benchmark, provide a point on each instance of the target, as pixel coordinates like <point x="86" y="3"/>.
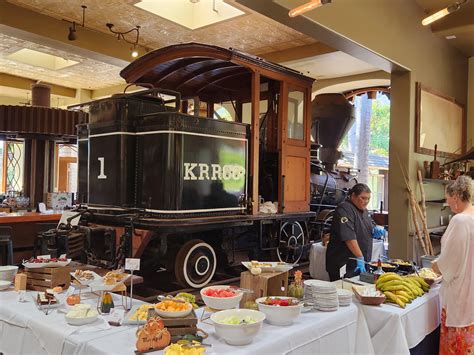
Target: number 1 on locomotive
<point x="102" y="168"/>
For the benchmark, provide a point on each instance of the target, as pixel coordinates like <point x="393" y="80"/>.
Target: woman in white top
<point x="456" y="264"/>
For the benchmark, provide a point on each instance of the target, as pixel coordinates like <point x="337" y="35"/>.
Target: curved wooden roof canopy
<point x="213" y="73"/>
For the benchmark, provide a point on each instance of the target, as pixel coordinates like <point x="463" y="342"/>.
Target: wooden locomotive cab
<point x="193" y="158"/>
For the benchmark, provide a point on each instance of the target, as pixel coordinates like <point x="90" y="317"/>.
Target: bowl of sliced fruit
<point x="173" y="308"/>
<point x="238" y="326"/>
<point x="221" y="297"/>
<point x="429" y="276"/>
<point x="280" y="310"/>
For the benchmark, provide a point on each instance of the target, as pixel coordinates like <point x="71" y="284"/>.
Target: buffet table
<point x="395" y="330"/>
<point x="356" y="329"/>
<point x="312" y="333"/>
<point x="25" y="330"/>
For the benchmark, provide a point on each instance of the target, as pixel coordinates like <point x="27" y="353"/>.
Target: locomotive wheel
<point x="290" y="242"/>
<point x="195" y="264"/>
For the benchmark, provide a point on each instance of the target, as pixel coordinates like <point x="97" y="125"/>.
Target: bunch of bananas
<point x="401" y="289"/>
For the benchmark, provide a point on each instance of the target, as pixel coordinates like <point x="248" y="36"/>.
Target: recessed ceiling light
<point x="451" y="37"/>
<point x="40" y="59"/>
<point x="191" y="13"/>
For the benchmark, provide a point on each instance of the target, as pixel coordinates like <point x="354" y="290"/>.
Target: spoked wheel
<point x="290" y="242"/>
<point x="195" y="264"/>
<point x="323" y="224"/>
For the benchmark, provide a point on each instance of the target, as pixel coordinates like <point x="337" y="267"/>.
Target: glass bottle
<point x="379" y="272"/>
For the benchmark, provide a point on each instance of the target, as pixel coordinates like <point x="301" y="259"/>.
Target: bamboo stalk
<point x="422" y="193"/>
<point x="413" y="209"/>
<point x="422" y="213"/>
<point x="415" y="223"/>
<point x="429" y="246"/>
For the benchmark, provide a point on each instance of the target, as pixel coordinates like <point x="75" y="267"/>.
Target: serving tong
<point x="241" y="289"/>
<point x="170" y="298"/>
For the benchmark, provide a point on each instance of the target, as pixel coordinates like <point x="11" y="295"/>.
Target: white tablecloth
<point x="340" y="332"/>
<point x="26" y="330"/>
<point x="356" y="329"/>
<point x="317" y="259"/>
<point x="395" y="330"/>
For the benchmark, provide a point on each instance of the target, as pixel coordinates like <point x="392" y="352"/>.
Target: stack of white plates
<point x="344" y="297"/>
<point x="324" y="294"/>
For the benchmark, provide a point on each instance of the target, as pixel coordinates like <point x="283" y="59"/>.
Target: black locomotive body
<point x="147" y="156"/>
<point x="185" y="190"/>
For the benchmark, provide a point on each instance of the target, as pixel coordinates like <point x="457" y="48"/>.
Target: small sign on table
<point x="132" y="264"/>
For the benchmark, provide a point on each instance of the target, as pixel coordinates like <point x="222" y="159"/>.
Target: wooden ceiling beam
<point x="19" y="82"/>
<point x="297" y="53"/>
<point x="458" y="29"/>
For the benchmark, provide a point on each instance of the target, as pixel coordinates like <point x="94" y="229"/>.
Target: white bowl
<point x="167" y="314"/>
<point x="279" y="315"/>
<point x="221" y="302"/>
<point x="4" y="285"/>
<point x="7" y="273"/>
<point x="81" y="321"/>
<point x="238" y="334"/>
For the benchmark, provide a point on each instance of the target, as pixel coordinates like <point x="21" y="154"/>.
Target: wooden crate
<point x="48" y="277"/>
<point x="178" y="326"/>
<point x="265" y="284"/>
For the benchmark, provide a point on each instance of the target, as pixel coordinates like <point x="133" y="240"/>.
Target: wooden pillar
<point x="255" y="140"/>
<point x="402" y="123"/>
<point x="210" y="109"/>
<point x="238" y="111"/>
<point x="38" y="175"/>
<point x="26" y="168"/>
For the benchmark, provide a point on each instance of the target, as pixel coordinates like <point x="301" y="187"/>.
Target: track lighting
<point x="443" y="12"/>
<point x="121" y="35"/>
<point x="313" y="4"/>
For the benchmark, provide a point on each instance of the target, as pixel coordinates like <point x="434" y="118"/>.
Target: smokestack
<point x="40" y="95"/>
<point x="332" y="117"/>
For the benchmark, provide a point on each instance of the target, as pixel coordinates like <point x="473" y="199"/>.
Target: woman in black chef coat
<point x="351" y="234"/>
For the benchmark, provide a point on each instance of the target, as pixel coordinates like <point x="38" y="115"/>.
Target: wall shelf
<point x="436" y="181"/>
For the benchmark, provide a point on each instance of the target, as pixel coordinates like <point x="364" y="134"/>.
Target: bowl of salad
<point x="221" y="297"/>
<point x="238" y="326"/>
<point x="280" y="310"/>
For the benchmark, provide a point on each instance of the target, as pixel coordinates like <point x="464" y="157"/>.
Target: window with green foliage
<point x="379" y="129"/>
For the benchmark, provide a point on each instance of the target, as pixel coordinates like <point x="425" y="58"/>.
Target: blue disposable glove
<point x="378" y="232"/>
<point x="360" y="265"/>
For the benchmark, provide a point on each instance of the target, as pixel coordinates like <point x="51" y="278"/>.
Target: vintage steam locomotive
<point x="186" y="187"/>
<point x="183" y="187"/>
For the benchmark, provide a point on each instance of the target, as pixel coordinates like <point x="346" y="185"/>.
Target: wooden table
<point x="24" y="230"/>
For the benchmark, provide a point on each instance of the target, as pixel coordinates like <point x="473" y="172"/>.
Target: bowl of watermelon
<point x="280" y="310"/>
<point x="221" y="297"/>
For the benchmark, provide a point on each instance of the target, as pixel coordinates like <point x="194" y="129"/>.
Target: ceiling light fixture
<point x="72" y="36"/>
<point x="313" y="4"/>
<point x="121" y="35"/>
<point x="443" y="12"/>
